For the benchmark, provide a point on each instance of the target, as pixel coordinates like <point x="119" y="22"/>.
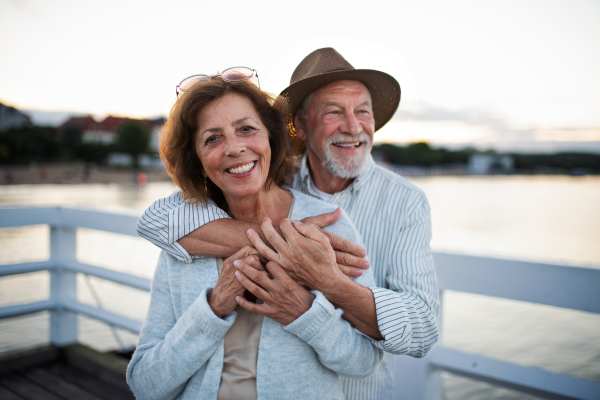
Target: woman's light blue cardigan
<point x="180" y="350"/>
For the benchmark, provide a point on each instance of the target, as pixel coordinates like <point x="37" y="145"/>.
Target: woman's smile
<point x="242" y="170"/>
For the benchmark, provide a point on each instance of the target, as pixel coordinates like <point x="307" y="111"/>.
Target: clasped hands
<point x="304" y="258"/>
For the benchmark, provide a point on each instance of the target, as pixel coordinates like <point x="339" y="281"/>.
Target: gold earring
<point x="205" y="186"/>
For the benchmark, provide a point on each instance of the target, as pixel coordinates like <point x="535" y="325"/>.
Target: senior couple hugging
<point x="292" y="264"/>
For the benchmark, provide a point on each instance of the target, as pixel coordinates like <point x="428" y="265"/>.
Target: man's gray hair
<point x="303" y="107"/>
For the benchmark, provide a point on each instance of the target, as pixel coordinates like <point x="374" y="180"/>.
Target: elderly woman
<point x="224" y="142"/>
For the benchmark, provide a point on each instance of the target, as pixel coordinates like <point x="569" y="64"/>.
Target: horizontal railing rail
<point x="573" y="287"/>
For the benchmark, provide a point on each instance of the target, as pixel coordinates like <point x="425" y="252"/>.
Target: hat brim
<point x="385" y="93"/>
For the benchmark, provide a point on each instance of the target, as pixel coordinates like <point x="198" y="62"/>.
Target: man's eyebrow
<point x="330" y="103"/>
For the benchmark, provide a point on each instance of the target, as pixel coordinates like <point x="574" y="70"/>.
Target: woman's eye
<point x="210" y="140"/>
<point x="248" y="129"/>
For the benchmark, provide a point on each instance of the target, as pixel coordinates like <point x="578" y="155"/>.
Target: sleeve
<point x="171" y="347"/>
<point x="169" y="219"/>
<point x="407" y="309"/>
<point x="339" y="346"/>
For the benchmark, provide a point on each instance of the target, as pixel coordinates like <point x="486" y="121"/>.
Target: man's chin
<point x="351" y="167"/>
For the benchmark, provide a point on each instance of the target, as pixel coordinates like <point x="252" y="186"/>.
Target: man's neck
<point x="324" y="180"/>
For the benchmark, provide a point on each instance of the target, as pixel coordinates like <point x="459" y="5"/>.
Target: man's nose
<point x="352" y="125"/>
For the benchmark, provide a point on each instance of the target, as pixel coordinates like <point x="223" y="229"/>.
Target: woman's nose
<point x="234" y="146"/>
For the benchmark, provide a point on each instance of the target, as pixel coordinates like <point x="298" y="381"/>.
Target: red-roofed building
<point x="105" y="132"/>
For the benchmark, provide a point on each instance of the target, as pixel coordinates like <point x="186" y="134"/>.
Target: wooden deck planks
<point x="58" y="386"/>
<point x="25" y="388"/>
<point x="90" y="383"/>
<point x="6" y="394"/>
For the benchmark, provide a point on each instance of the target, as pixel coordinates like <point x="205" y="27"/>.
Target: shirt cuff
<point x="309" y="323"/>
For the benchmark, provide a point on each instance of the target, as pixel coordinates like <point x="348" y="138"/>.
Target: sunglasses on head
<point x="233" y="74"/>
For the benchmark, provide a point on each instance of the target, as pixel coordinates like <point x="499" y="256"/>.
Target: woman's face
<point x="233" y="146"/>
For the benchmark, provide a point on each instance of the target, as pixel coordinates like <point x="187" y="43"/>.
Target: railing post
<point x="63" y="285"/>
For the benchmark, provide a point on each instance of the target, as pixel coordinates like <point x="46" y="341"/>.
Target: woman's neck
<point x="274" y="203"/>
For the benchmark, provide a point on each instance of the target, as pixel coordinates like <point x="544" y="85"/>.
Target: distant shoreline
<point x="74" y="173"/>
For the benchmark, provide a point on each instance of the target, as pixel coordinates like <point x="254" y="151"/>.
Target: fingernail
<point x="249" y="232"/>
<point x="237" y="299"/>
<point x="363" y="254"/>
<point x="264" y="219"/>
<point x="366" y="265"/>
<point x="298" y="222"/>
<point x="236" y="263"/>
<point x="238" y="274"/>
<point x="359" y="272"/>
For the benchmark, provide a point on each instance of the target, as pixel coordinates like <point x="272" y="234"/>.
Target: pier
<point x="568" y="287"/>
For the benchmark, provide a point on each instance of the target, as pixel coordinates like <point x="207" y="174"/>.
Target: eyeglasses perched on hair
<point x="233" y="74"/>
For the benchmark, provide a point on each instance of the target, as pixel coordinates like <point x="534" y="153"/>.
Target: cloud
<point x="497" y="126"/>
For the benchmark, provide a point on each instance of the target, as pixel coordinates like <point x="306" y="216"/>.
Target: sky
<point x="507" y="73"/>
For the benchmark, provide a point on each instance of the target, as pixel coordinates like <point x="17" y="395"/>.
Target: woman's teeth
<point x="242" y="169"/>
<point x="348" y="145"/>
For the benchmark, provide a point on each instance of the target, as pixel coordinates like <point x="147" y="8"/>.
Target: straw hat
<point x="324" y="66"/>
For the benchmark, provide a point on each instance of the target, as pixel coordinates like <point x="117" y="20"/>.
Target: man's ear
<point x="299" y="126"/>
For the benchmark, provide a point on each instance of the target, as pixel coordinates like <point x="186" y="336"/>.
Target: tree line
<point x="423" y="155"/>
<point x="45" y="144"/>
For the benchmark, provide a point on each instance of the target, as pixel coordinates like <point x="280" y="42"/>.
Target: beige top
<point x="238" y="378"/>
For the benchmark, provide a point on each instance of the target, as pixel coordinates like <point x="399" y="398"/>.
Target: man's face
<point x="338" y="128"/>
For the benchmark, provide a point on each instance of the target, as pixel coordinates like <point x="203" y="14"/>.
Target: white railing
<point x="561" y="286"/>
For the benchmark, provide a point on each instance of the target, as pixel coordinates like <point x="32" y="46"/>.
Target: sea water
<point x="542" y="218"/>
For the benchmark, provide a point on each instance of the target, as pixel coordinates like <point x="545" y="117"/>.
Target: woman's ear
<point x="299" y="126"/>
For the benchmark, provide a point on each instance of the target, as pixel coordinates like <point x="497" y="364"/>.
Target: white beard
<point x="346" y="167"/>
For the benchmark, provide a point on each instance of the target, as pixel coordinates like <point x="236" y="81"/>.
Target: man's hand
<point x="283" y="299"/>
<point x="350" y="257"/>
<point x="307" y="258"/>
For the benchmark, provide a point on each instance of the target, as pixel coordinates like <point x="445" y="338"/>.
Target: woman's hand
<point x="283" y="299"/>
<point x="222" y="298"/>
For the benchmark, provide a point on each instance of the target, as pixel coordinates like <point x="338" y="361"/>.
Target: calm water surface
<point x="550" y="218"/>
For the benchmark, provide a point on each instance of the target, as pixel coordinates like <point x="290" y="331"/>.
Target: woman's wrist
<point x="216" y="304"/>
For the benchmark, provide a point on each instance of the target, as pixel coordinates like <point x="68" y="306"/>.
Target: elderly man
<point x="335" y="109"/>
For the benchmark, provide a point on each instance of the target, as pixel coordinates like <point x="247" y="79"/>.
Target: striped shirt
<point x="393" y="217"/>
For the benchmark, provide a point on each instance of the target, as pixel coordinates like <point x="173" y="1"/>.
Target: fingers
<point x="264" y="250"/>
<point x="350" y="271"/>
<point x="253" y="308"/>
<point x="272" y="236"/>
<point x="324" y="219"/>
<point x="287" y="229"/>
<point x="349" y="260"/>
<point x="251" y="279"/>
<point x="345" y="245"/>
<point x="253" y="260"/>
<point x="276" y="271"/>
<point x="310" y="231"/>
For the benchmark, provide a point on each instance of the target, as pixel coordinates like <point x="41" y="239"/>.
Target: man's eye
<point x="335" y="112"/>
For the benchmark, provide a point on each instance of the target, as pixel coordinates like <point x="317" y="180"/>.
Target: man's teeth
<point x="348" y="145"/>
<point x="242" y="169"/>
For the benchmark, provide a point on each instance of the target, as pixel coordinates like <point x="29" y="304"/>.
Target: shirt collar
<point x="305" y="178"/>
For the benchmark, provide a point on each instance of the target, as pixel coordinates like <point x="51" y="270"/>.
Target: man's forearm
<point x="358" y="304"/>
<point x="220" y="238"/>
